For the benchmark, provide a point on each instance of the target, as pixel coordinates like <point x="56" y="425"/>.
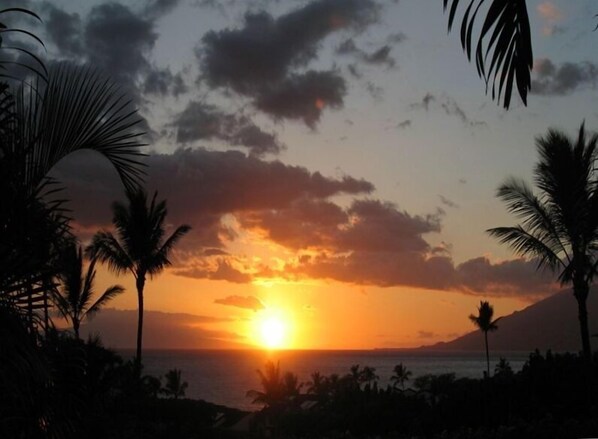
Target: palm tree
<point x="138" y="247"/>
<point x="401" y="376"/>
<point x="559" y="226"/>
<point x="504" y="36"/>
<point x="484" y="321"/>
<point x="273" y="393"/>
<point x="73" y="298"/>
<point x="174" y="385"/>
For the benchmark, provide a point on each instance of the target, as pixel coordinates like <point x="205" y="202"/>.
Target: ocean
<point x="225" y="376"/>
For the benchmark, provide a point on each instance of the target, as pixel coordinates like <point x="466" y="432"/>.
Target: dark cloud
<point x="201" y="186"/>
<point x="447" y="202"/>
<point x="118" y="41"/>
<point x="162" y="82"/>
<point x="64" y="30"/>
<point x="404" y="124"/>
<point x="449" y="106"/>
<point x="272" y="48"/>
<point x="395" y="38"/>
<point x="380" y="56"/>
<point x="303" y="96"/>
<point x="551" y="79"/>
<point x="375" y="91"/>
<point x="200" y="121"/>
<point x="161" y="330"/>
<point x="426" y="334"/>
<point x="246" y="302"/>
<point x="516" y="277"/>
<point x="157" y="8"/>
<point x="221" y="270"/>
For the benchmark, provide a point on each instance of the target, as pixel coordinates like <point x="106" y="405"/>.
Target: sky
<point x="337" y="161"/>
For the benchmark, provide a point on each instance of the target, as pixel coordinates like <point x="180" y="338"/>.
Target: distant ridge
<point x="549" y="324"/>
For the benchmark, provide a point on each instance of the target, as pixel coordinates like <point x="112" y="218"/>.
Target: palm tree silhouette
<point x="138" y="247"/>
<point x="273" y="392"/>
<point x="559" y="226"/>
<point x="174" y="385"/>
<point x="401" y="376"/>
<point x="73" y="297"/>
<point x="485" y="323"/>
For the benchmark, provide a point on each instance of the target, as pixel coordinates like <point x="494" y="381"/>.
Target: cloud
<point x="303" y="96"/>
<point x="404" y="124"/>
<point x="551" y="79"/>
<point x="201" y="121"/>
<point x="448" y="105"/>
<point x="550" y="15"/>
<point x="380" y="56"/>
<point x="201" y="187"/>
<point x="270" y="46"/>
<point x="274" y="49"/>
<point x="162" y="330"/>
<point x="426" y="334"/>
<point x="516" y="277"/>
<point x="162" y="82"/>
<point x="447" y="202"/>
<point x="116" y="40"/>
<point x="549" y="12"/>
<point x="221" y="270"/>
<point x="246" y="302"/>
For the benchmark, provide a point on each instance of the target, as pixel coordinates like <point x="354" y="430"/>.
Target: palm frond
<point x="504" y="49"/>
<point x="525" y="244"/>
<point x="79" y="109"/>
<point x="106" y="248"/>
<point x="160" y="259"/>
<point x="109" y="294"/>
<point x="537" y="221"/>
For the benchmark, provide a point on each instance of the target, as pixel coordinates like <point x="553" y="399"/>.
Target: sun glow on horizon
<point x="271" y="330"/>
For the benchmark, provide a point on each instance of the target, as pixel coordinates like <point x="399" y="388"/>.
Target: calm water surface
<point x="223" y="377"/>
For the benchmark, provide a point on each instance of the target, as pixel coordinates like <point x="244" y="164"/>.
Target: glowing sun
<point x="272" y="332"/>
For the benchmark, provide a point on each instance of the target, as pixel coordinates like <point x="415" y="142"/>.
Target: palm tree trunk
<point x="581" y="294"/>
<point x="76" y="329"/>
<point x="140" y="286"/>
<point x="487" y="355"/>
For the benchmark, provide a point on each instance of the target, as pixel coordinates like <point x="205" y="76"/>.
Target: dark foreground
<point x="81" y="390"/>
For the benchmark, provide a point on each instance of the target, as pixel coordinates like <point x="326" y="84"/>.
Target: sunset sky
<point x="336" y="159"/>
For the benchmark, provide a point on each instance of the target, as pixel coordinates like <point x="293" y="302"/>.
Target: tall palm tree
<point x="74" y="297"/>
<point x="401" y="376"/>
<point x="138" y="247"/>
<point x="559" y="226"/>
<point x="485" y="323"/>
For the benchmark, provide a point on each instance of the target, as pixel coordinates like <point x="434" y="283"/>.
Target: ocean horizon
<point x="224" y="376"/>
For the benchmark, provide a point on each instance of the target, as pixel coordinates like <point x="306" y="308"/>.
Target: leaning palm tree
<point x="559" y="226"/>
<point x="138" y="247"/>
<point x="73" y="297"/>
<point x="485" y="323"/>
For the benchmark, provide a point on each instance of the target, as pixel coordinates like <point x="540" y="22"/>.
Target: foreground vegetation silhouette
<point x="554" y="395"/>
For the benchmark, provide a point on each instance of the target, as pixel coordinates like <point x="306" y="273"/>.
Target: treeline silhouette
<point x="554" y="395"/>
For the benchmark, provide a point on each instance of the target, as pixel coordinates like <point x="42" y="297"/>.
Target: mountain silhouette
<point x="548" y="324"/>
